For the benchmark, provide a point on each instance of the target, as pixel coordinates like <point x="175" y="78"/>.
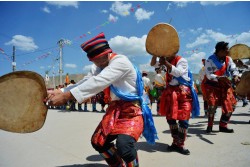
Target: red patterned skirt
<point x="121" y="117"/>
<point x="220" y="96"/>
<point x="176" y="102"/>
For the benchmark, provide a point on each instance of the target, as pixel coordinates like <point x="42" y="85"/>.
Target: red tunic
<point x="121" y="117"/>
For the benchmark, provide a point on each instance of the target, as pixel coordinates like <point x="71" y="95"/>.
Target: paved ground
<point x="64" y="141"/>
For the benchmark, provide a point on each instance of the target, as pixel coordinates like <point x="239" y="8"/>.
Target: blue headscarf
<point x="149" y="131"/>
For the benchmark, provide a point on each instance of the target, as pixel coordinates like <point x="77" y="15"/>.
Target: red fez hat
<point x="96" y="47"/>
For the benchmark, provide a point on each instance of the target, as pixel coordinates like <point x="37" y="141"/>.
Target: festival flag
<point x="1" y="50"/>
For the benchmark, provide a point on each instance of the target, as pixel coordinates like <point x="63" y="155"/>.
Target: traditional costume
<point x="178" y="100"/>
<point x="127" y="116"/>
<point x="219" y="93"/>
<point x="202" y="86"/>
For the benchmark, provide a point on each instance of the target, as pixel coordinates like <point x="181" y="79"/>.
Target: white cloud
<point x="112" y="18"/>
<point x="23" y="43"/>
<point x="132" y="46"/>
<point x="46" y="9"/>
<point x="198" y="30"/>
<point x="181" y="4"/>
<point x="121" y="8"/>
<point x="71" y="65"/>
<point x="146" y="67"/>
<point x="214" y="36"/>
<point x="104" y="11"/>
<point x="142" y="14"/>
<point x="87" y="68"/>
<point x="169" y="6"/>
<point x="203" y="39"/>
<point x="215" y="3"/>
<point x="217" y="36"/>
<point x="60" y="4"/>
<point x="243" y="38"/>
<point x="177" y="4"/>
<point x="194" y="61"/>
<point x="196" y="57"/>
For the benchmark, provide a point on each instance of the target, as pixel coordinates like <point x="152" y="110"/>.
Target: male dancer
<point x="127" y="116"/>
<point x="178" y="100"/>
<point x="220" y="70"/>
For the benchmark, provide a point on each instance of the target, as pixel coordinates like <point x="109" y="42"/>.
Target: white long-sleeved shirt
<point x="180" y="70"/>
<point x="120" y="72"/>
<point x="210" y="69"/>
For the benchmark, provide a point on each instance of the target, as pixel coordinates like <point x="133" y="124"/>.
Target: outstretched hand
<point x="57" y="97"/>
<point x="52" y="93"/>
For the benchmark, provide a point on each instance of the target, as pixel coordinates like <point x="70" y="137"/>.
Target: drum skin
<point x="243" y="88"/>
<point x="162" y="41"/>
<point x="22" y="109"/>
<point x="239" y="51"/>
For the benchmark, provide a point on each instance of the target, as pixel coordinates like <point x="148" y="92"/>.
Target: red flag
<point x="1" y="50"/>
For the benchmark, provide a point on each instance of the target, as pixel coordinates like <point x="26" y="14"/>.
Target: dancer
<point x="220" y="72"/>
<point x="127" y="108"/>
<point x="179" y="99"/>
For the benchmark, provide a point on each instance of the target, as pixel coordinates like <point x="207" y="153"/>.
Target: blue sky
<point x="36" y="27"/>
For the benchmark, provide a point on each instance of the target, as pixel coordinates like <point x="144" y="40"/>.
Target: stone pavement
<point x="64" y="141"/>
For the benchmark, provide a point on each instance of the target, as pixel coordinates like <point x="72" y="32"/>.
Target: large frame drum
<point x="239" y="51"/>
<point x="22" y="109"/>
<point x="162" y="41"/>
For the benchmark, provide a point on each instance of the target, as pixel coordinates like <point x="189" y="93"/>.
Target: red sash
<point x="223" y="69"/>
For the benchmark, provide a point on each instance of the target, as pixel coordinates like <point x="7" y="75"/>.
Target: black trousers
<point x="125" y="146"/>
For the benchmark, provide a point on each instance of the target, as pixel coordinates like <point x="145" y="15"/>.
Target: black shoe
<point x="209" y="129"/>
<point x="226" y="130"/>
<point x="183" y="151"/>
<point x="173" y="147"/>
<point x="245" y="104"/>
